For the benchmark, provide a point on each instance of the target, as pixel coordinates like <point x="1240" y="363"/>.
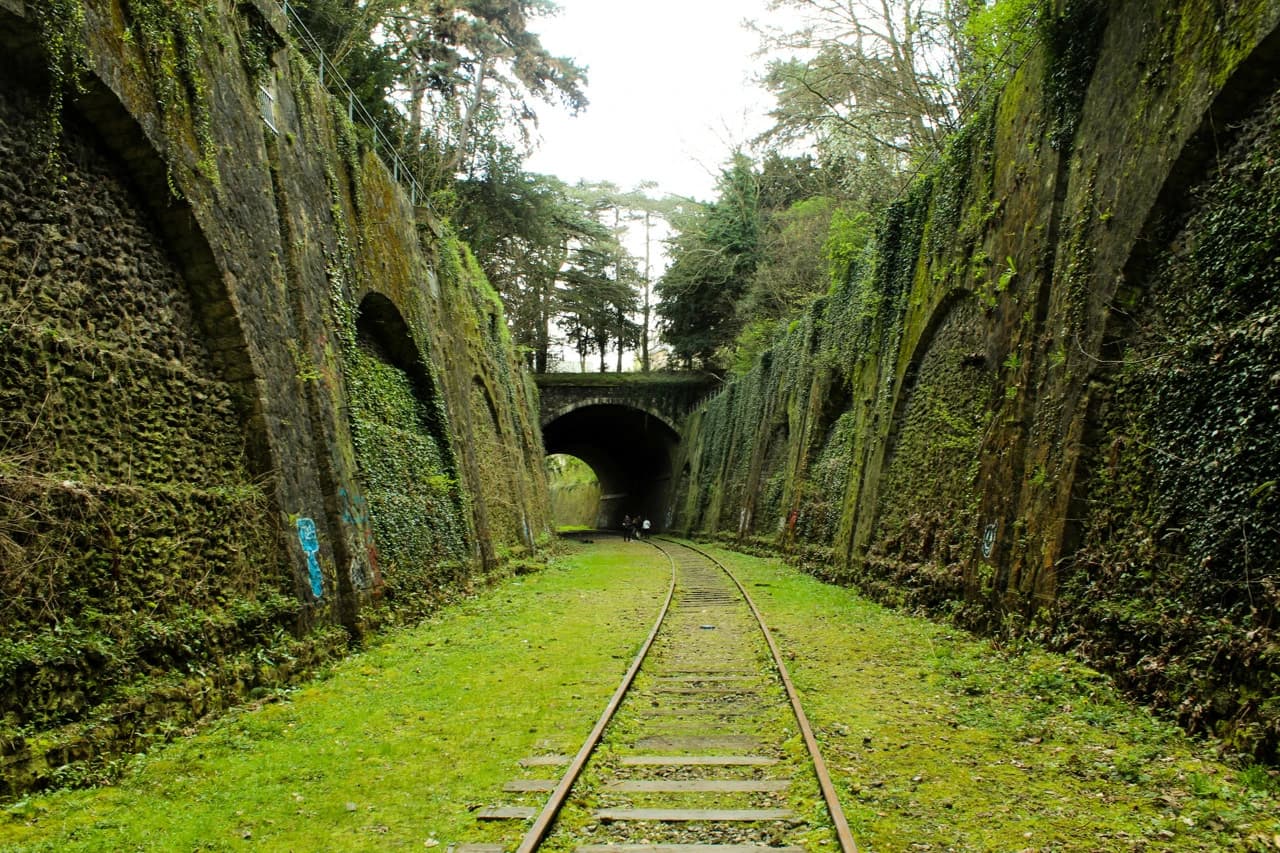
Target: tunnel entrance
<point x="630" y="451"/>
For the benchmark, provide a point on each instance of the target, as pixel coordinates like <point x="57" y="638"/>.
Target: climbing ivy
<point x="62" y="27"/>
<point x="172" y="39"/>
<point x="1175" y="586"/>
<point x="413" y="493"/>
<point x="256" y="44"/>
<point x="1072" y="40"/>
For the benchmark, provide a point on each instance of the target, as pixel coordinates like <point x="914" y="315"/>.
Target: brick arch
<point x="404" y="456"/>
<point x="1128" y="304"/>
<point x="479" y="386"/>
<point x="381" y="326"/>
<point x="937" y="425"/>
<point x="99" y="112"/>
<point x="631" y="450"/>
<point x="99" y="129"/>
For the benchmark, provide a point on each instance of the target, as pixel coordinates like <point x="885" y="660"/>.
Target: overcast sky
<point x="670" y="88"/>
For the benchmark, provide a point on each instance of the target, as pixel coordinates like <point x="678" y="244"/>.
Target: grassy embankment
<point x="938" y="741"/>
<point x="393" y="747"/>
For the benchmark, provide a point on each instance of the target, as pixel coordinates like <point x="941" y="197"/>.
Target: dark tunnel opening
<point x="631" y="453"/>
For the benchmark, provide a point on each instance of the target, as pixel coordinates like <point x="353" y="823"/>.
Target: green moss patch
<point x="942" y="741"/>
<point x="396" y="745"/>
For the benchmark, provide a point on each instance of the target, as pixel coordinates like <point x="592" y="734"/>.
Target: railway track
<point x="703" y="748"/>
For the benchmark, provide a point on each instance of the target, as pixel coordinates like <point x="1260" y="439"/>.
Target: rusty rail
<point x="542" y="824"/>
<point x="547" y="816"/>
<point x="840" y="823"/>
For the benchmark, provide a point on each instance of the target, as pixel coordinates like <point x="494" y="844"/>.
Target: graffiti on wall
<point x="310" y="542"/>
<point x="355" y="513"/>
<point x="989" y="539"/>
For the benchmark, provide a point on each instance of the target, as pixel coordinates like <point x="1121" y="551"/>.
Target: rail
<point x="541" y="828"/>
<point x="542" y="825"/>
<point x="338" y="86"/>
<point x="841" y="824"/>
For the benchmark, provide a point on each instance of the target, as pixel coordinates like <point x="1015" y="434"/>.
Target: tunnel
<point x="630" y="451"/>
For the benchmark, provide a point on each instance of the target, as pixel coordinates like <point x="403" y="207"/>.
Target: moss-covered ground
<point x="938" y="741"/>
<point x="393" y="747"/>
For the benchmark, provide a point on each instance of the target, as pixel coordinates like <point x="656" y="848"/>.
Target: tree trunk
<point x="617" y="275"/>
<point x="468" y="119"/>
<point x="542" y="334"/>
<point x="644" y="329"/>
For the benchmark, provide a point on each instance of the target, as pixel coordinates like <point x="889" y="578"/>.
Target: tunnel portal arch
<point x="631" y="451"/>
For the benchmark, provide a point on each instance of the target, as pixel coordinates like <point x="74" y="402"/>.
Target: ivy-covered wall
<point x="254" y="401"/>
<point x="1176" y="583"/>
<point x="1046" y="400"/>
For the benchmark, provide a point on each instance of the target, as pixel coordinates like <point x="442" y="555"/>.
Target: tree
<point x="344" y="31"/>
<point x="755" y="258"/>
<point x="473" y="70"/>
<point x="595" y="306"/>
<point x="796" y="214"/>
<point x="807" y="249"/>
<point x="451" y="79"/>
<point x="522" y="227"/>
<point x="714" y="254"/>
<point x="878" y="85"/>
<point x="792" y="269"/>
<point x="620" y="209"/>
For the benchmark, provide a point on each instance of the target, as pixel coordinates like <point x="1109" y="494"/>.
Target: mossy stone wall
<point x="239" y="372"/>
<point x="137" y="539"/>
<point x="983" y="420"/>
<point x="1176" y="584"/>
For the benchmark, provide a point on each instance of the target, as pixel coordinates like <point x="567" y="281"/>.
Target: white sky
<point x="669" y="83"/>
<point x="671" y="91"/>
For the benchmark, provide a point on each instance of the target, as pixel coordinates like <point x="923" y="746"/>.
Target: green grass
<point x="393" y="746"/>
<point x="937" y="740"/>
<point x="941" y="741"/>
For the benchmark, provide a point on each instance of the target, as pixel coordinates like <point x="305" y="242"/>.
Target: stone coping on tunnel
<point x="614" y="379"/>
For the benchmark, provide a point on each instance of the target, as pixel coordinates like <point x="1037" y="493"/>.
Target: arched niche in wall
<point x="1175" y="498"/>
<point x="128" y="407"/>
<point x="407" y="469"/>
<point x="926" y="500"/>
<point x="1172" y="534"/>
<point x="1186" y="347"/>
<point x="381" y="331"/>
<point x="817" y="503"/>
<point x="501" y="509"/>
<point x="769" y="513"/>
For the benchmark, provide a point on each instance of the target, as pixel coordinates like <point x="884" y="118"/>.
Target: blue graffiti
<point x="311" y="546"/>
<point x="355" y="512"/>
<point x="355" y="509"/>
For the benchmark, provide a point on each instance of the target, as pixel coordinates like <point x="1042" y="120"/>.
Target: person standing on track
<point x="628" y="527"/>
